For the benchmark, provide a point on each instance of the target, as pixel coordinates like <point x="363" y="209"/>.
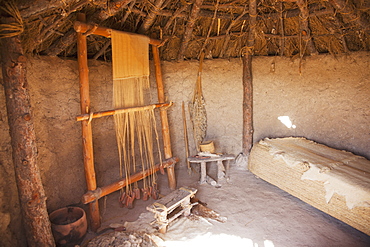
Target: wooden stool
<point x="164" y="206"/>
<point x="221" y="171"/>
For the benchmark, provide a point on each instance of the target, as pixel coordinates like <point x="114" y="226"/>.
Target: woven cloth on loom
<point x="131" y="55"/>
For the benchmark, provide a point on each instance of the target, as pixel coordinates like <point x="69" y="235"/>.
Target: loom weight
<point x="146" y="193"/>
<point x="137" y="193"/>
<point x="123" y="199"/>
<point x="154" y="191"/>
<point x="130" y="200"/>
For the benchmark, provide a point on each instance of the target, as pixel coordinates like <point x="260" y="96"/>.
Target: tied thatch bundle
<point x="8" y="30"/>
<point x="197" y="110"/>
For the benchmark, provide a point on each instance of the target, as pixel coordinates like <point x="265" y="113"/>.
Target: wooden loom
<point x="94" y="193"/>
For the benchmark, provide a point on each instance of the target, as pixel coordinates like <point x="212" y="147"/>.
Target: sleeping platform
<point x="334" y="181"/>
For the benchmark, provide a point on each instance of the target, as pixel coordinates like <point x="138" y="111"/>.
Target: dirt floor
<point x="258" y="215"/>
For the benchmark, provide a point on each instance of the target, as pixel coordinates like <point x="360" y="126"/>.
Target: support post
<point x="88" y="154"/>
<point x="248" y="81"/>
<point x="164" y="118"/>
<point x="23" y="139"/>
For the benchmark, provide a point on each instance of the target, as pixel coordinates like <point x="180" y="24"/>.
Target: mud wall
<point x="325" y="98"/>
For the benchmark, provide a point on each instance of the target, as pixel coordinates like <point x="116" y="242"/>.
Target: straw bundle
<point x="288" y="178"/>
<point x="9" y="30"/>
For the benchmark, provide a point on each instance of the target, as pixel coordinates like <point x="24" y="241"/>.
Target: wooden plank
<point x="172" y="200"/>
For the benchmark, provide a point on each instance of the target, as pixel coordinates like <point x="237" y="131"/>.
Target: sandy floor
<point x="258" y="215"/>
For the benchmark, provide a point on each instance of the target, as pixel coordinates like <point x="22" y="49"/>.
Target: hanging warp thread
<point x="134" y="130"/>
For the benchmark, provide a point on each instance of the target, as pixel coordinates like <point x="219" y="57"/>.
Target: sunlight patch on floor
<point x="216" y="240"/>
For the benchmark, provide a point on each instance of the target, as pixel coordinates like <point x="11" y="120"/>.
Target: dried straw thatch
<point x="284" y="27"/>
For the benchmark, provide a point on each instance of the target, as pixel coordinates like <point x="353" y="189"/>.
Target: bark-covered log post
<point x="23" y="140"/>
<point x="248" y="81"/>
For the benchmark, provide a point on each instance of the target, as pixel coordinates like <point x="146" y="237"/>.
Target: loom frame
<point x="83" y="30"/>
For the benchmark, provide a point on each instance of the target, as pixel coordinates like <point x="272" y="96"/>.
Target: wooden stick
<point x="282" y="31"/>
<point x="81" y="27"/>
<point x="227" y="33"/>
<point x="164" y="118"/>
<point x="102" y="50"/>
<point x="88" y="153"/>
<point x="189" y="28"/>
<point x="94" y="195"/>
<point x="98" y="17"/>
<point x="305" y="29"/>
<point x="186" y="139"/>
<point x="209" y="30"/>
<point x="315" y="10"/>
<point x="348" y="10"/>
<point x="150" y="18"/>
<point x="119" y="111"/>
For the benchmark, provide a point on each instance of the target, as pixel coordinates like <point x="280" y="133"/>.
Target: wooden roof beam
<point x="314" y="10"/>
<point x="70" y="37"/>
<point x="150" y="18"/>
<point x="227" y="33"/>
<point x="31" y="8"/>
<point x="351" y="13"/>
<point x="193" y="17"/>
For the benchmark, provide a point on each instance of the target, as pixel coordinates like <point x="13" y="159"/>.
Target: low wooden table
<point x="221" y="171"/>
<point x="164" y="206"/>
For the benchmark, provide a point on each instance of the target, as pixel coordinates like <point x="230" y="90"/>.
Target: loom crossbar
<point x="91" y="196"/>
<point x="81" y="27"/>
<point x="119" y="111"/>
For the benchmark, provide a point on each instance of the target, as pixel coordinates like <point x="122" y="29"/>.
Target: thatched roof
<point x="218" y="27"/>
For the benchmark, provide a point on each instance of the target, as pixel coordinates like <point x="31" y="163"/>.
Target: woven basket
<point x="207" y="147"/>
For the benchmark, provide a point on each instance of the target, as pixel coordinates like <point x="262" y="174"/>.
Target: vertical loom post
<point x="164" y="118"/>
<point x="86" y="125"/>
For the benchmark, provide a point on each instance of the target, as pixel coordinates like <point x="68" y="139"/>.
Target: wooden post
<point x="164" y="118"/>
<point x="248" y="81"/>
<point x="30" y="190"/>
<point x="86" y="125"/>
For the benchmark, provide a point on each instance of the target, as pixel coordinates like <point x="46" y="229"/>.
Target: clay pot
<point x="69" y="226"/>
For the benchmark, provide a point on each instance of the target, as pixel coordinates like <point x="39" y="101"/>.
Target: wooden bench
<point x="221" y="171"/>
<point x="164" y="206"/>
